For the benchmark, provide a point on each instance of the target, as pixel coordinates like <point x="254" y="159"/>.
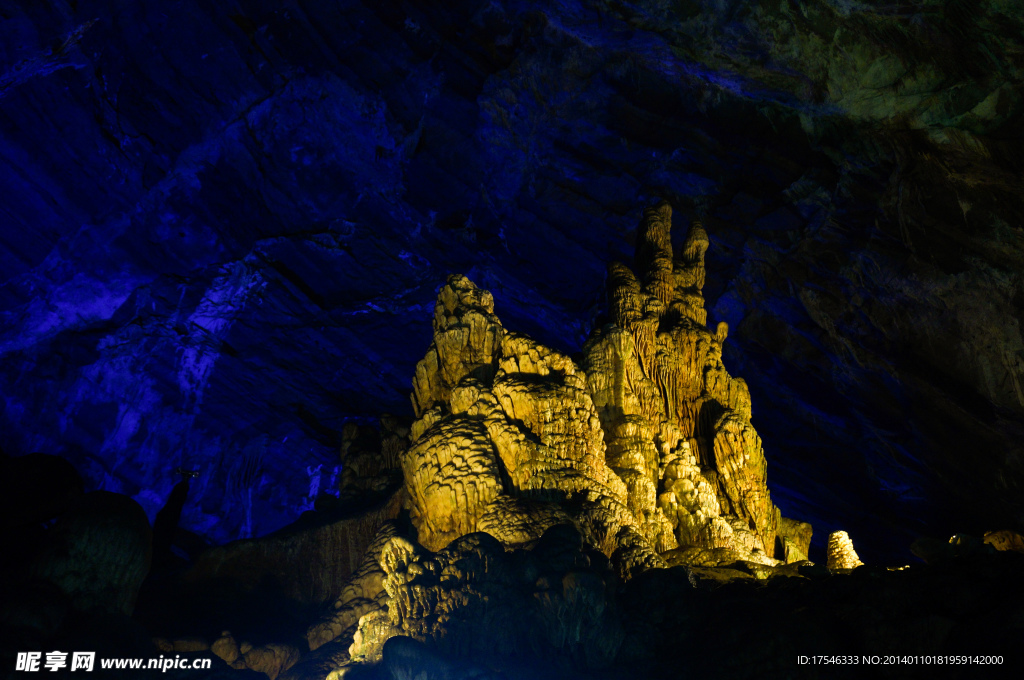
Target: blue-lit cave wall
<point x="222" y="226"/>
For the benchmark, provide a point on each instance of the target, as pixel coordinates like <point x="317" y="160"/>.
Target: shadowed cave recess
<point x="502" y="339"/>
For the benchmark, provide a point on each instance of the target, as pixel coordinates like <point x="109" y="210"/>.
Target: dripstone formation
<point x="530" y="476"/>
<point x="676" y="424"/>
<point x="645" y="445"/>
<point x="841" y="554"/>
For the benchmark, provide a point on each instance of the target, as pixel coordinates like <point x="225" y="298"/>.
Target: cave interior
<point x="369" y="339"/>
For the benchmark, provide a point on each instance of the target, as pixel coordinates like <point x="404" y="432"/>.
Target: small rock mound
<point x="841" y="554"/>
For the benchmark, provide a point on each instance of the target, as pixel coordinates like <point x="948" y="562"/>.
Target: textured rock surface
<point x="370" y="459"/>
<point x="508" y="451"/>
<point x="507" y="430"/>
<point x="646" y="447"/>
<point x="363" y="593"/>
<point x="476" y="599"/>
<point x="793" y="540"/>
<point x="557" y="610"/>
<point x="550" y="605"/>
<point x="677" y="424"/>
<point x="840" y="552"/>
<point x="1005" y="540"/>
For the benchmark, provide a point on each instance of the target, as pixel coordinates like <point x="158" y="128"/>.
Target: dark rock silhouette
<point x="98" y="553"/>
<point x="165" y="524"/>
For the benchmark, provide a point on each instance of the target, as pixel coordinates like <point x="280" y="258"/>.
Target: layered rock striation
<point x="507" y="437"/>
<point x="676" y="424"/>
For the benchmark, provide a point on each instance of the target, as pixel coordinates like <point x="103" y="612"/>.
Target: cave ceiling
<point x="223" y="227"/>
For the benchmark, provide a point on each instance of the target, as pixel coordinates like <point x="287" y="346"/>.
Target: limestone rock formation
<point x="646" y="446"/>
<point x="793" y="540"/>
<point x="677" y="425"/>
<point x="309" y="561"/>
<point x="1005" y="540"/>
<point x="529" y="477"/>
<point x="841" y="554"/>
<point x="467" y="336"/>
<point x="507" y="436"/>
<point x="363" y="593"/>
<point x="370" y="459"/>
<point x="935" y="551"/>
<point x="272" y="659"/>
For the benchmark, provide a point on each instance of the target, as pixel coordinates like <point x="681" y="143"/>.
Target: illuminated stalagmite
<point x="677" y="425"/>
<point x="840" y="552"/>
<point x="646" y="447"/>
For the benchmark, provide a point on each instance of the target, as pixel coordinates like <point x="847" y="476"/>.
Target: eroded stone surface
<point x="677" y="424"/>
<point x="1005" y="540"/>
<point x="508" y="437"/>
<point x="841" y="554"/>
<point x="793" y="540"/>
<point x="646" y="446"/>
<point x="363" y="594"/>
<point x="310" y="562"/>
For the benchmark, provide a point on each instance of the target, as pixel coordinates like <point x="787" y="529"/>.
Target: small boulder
<point x="841" y="554"/>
